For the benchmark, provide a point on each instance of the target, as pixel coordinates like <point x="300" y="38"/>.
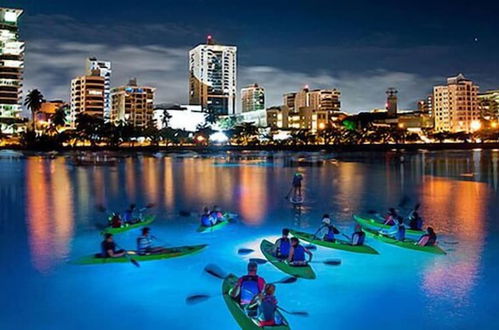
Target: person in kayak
<point x="415" y="222"/>
<point x="358" y="236"/>
<point x="391" y="217"/>
<point x="130" y="215"/>
<point x="206" y="219"/>
<point x="297" y="253"/>
<point x="282" y="245"/>
<point x="116" y="220"/>
<point x="108" y="248"/>
<point x="144" y="243"/>
<point x="327" y="230"/>
<point x="428" y="239"/>
<point x="267" y="307"/>
<point x="297" y="179"/>
<point x="248" y="286"/>
<point x="217" y="214"/>
<point x="396" y="231"/>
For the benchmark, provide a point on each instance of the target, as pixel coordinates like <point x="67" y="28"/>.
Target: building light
<point x="475" y="125"/>
<point x="10" y="17"/>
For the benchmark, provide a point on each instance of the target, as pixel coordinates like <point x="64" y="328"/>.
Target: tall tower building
<point x="87" y="96"/>
<point x="212" y="78"/>
<point x="391" y="101"/>
<point x="455" y="105"/>
<point x="488" y="104"/>
<point x="11" y="64"/>
<point x="102" y="68"/>
<point x="132" y="104"/>
<point x="253" y="98"/>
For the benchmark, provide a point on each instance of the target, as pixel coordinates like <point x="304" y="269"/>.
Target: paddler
<point x="206" y="219"/>
<point x="428" y="239"/>
<point x="217" y="214"/>
<point x="116" y="220"/>
<point x="297" y="253"/>
<point x="415" y="222"/>
<point x="327" y="230"/>
<point x="267" y="307"/>
<point x="358" y="237"/>
<point x="391" y="217"/>
<point x="297" y="179"/>
<point x="248" y="286"/>
<point x="282" y="245"/>
<point x="144" y="243"/>
<point x="108" y="248"/>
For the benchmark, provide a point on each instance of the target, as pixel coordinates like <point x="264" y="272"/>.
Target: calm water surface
<point x="48" y="217"/>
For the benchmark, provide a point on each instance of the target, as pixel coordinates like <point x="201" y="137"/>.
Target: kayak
<point x="227" y="217"/>
<point x="298" y="271"/>
<point x="338" y="244"/>
<point x="406" y="244"/>
<point x="244" y="321"/>
<point x="372" y="223"/>
<point x="167" y="253"/>
<point x="148" y="219"/>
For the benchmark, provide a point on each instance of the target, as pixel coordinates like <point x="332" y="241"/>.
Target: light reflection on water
<point x="59" y="210"/>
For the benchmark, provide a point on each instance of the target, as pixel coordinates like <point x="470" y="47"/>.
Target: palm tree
<point x="211" y="118"/>
<point x="34" y="101"/>
<point x="165" y="119"/>
<point x="58" y="119"/>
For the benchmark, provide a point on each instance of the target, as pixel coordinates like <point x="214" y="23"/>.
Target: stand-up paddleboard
<point x="297" y="200"/>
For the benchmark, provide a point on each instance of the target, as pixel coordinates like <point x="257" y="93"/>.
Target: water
<point x="48" y="217"/>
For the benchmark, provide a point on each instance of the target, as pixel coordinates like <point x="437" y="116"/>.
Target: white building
<point x="186" y="117"/>
<point x="213" y="77"/>
<point x="252" y="98"/>
<point x="11" y="65"/>
<point x="103" y="69"/>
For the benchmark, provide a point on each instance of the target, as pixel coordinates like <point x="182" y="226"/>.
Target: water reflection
<point x="49" y="211"/>
<point x="253" y="194"/>
<point x="457" y="207"/>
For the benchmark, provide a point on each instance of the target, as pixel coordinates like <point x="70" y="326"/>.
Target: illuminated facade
<point x="318" y="99"/>
<point x="132" y="104"/>
<point x="488" y="103"/>
<point x="391" y="102"/>
<point x="456" y="105"/>
<point x="212" y="78"/>
<point x="11" y="64"/>
<point x="103" y="69"/>
<point x="252" y="98"/>
<point x="186" y="117"/>
<point x="87" y="96"/>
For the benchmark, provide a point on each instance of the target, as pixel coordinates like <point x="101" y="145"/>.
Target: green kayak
<point x="338" y="244"/>
<point x="167" y="253"/>
<point x="227" y="217"/>
<point x="298" y="271"/>
<point x="244" y="321"/>
<point x="406" y="244"/>
<point x="148" y="219"/>
<point x="372" y="223"/>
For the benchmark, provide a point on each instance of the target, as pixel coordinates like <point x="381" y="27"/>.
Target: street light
<point x="475" y="125"/>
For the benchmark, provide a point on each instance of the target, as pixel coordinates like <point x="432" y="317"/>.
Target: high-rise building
<point x="103" y="69"/>
<point x="252" y="98"/>
<point x="455" y="105"/>
<point x="391" y="102"/>
<point x="488" y="104"/>
<point x="132" y="104"/>
<point x="87" y="96"/>
<point x="212" y="78"/>
<point x="11" y="64"/>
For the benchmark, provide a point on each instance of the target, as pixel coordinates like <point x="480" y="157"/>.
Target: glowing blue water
<point x="48" y="217"/>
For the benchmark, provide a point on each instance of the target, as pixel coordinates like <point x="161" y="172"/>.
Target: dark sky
<point x="360" y="47"/>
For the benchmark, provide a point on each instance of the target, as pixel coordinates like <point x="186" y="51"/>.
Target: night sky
<point x="360" y="47"/>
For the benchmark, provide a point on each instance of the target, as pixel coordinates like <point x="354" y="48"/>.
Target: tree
<point x="90" y="128"/>
<point x="211" y="118"/>
<point x="58" y="119"/>
<point x="34" y="101"/>
<point x="246" y="132"/>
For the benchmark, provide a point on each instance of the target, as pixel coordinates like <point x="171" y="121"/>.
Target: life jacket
<point x="115" y="221"/>
<point x="267" y="308"/>
<point x="249" y="288"/>
<point x="400" y="235"/>
<point x="361" y="237"/>
<point x="284" y="246"/>
<point x="206" y="220"/>
<point x="143" y="243"/>
<point x="299" y="254"/>
<point x="128" y="216"/>
<point x="331" y="231"/>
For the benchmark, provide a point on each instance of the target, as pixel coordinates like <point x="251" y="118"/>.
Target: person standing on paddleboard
<point x="297" y="179"/>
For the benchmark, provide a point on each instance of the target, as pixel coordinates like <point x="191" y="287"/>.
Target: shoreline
<point x="297" y="148"/>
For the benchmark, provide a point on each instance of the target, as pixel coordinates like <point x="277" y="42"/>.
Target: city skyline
<point x="280" y="60"/>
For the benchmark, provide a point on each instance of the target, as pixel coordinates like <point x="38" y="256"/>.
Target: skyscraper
<point x="87" y="96"/>
<point x="455" y="105"/>
<point x="11" y="64"/>
<point x="391" y="101"/>
<point x="133" y="104"/>
<point x="252" y="98"/>
<point x="212" y="78"/>
<point x="102" y="68"/>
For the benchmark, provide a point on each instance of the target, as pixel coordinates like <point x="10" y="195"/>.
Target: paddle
<point x="217" y="272"/>
<point x="301" y="313"/>
<point x="289" y="192"/>
<point x="245" y="251"/>
<point x="133" y="261"/>
<point x="329" y="262"/>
